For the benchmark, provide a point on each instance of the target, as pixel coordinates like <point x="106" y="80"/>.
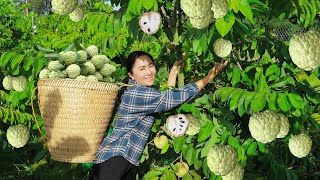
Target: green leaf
<point x="245" y="9"/>
<point x="148" y="4"/>
<point x="283" y="82"/>
<point x="259" y="102"/>
<point x="283" y="102"/>
<point x="44" y="49"/>
<point x="263" y="86"/>
<point x="247" y="143"/>
<point x="232" y="141"/>
<point x="234" y="5"/>
<point x="195" y="175"/>
<point x="152" y="174"/>
<point x="205" y="131"/>
<point x="27" y="63"/>
<point x="295" y="100"/>
<point x="235" y="96"/>
<point x="273" y="72"/>
<point x="168" y="175"/>
<point x="241" y="109"/>
<point x="5" y="58"/>
<point x="213" y="139"/>
<point x="224" y="25"/>
<point x="187" y="177"/>
<point x="189" y="156"/>
<point x="236" y="76"/>
<point x="252" y="149"/>
<point x="272" y="101"/>
<point x="262" y="147"/>
<point x="16" y="60"/>
<point x="178" y="143"/>
<point x="249" y="98"/>
<point x="165" y="148"/>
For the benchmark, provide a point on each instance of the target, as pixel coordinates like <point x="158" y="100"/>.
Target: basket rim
<point x="72" y="83"/>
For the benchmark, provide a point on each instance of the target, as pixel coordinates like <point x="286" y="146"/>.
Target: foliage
<point x="260" y="76"/>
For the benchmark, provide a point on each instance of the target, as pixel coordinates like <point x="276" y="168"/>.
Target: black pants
<point x="115" y="168"/>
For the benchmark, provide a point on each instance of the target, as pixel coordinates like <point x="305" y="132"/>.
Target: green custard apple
<point x="18" y="135"/>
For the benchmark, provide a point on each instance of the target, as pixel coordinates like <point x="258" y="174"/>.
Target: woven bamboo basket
<point x="76" y="115"/>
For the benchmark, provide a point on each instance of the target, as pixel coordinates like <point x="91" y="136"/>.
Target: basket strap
<point x="35" y="117"/>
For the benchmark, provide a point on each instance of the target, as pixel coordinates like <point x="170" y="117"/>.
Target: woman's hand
<point x="212" y="74"/>
<point x="171" y="82"/>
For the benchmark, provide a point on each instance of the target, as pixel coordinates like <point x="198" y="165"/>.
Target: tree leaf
<point x="148" y="4"/>
<point x="252" y="149"/>
<point x="245" y="9"/>
<point x="224" y="25"/>
<point x="241" y="109"/>
<point x="295" y="100"/>
<point x="283" y="102"/>
<point x="189" y="156"/>
<point x="213" y="139"/>
<point x="272" y="101"/>
<point x="249" y="98"/>
<point x="235" y="96"/>
<point x="258" y="102"/>
<point x="205" y="131"/>
<point x="232" y="141"/>
<point x="236" y="76"/>
<point x="152" y="174"/>
<point x="178" y="143"/>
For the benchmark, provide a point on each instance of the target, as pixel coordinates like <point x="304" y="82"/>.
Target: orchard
<point x="258" y="119"/>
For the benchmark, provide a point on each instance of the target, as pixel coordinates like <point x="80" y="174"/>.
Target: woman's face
<point x="143" y="71"/>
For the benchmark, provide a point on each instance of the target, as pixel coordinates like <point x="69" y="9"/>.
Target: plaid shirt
<point x="135" y="119"/>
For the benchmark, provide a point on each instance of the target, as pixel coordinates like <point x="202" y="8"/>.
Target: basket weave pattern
<point x="76" y="115"/>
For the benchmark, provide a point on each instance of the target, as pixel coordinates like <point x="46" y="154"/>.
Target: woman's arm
<point x="211" y="75"/>
<point x="171" y="82"/>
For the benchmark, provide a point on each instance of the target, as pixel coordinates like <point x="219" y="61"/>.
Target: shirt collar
<point x="133" y="82"/>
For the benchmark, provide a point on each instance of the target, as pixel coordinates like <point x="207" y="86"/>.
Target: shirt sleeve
<point x="150" y="100"/>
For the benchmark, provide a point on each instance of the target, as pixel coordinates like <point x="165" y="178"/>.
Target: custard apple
<point x="18" y="135"/>
<point x="107" y="69"/>
<point x="92" y="50"/>
<point x="284" y="126"/>
<point x="81" y="78"/>
<point x="235" y="174"/>
<point x="84" y="71"/>
<point x="82" y="55"/>
<point x="150" y="22"/>
<point x="7" y="82"/>
<point x="203" y="22"/>
<point x="196" y="8"/>
<point x="91" y="69"/>
<point x="64" y="7"/>
<point x="73" y="71"/>
<point x="19" y="83"/>
<point x="108" y="79"/>
<point x="98" y="75"/>
<point x="177" y="125"/>
<point x="300" y="145"/>
<point x="182" y="169"/>
<point x="92" y="78"/>
<point x="264" y="126"/>
<point x="222" y="48"/>
<point x="304" y="50"/>
<point x="99" y="60"/>
<point x="54" y="74"/>
<point x="55" y="66"/>
<point x="160" y="141"/>
<point x="68" y="57"/>
<point x="194" y="125"/>
<point x="77" y="14"/>
<point x="221" y="159"/>
<point x="219" y="8"/>
<point x="44" y="74"/>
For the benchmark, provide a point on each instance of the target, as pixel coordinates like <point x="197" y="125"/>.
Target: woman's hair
<point x="133" y="57"/>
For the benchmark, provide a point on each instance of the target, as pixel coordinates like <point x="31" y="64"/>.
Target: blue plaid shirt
<point x="135" y="119"/>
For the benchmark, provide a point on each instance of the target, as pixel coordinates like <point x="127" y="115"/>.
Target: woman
<point x="122" y="149"/>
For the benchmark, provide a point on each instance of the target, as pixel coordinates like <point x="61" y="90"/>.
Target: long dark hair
<point x="133" y="56"/>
